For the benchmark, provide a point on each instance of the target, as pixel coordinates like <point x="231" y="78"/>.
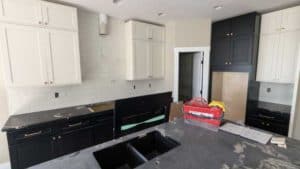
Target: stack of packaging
<point x="199" y="111"/>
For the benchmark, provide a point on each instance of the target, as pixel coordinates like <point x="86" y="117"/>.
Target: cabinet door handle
<point x="45" y="83"/>
<point x="226" y="63"/>
<point x="75" y="125"/>
<point x="267" y="117"/>
<point x="46" y="23"/>
<point x="33" y="134"/>
<point x="227" y="34"/>
<point x="231" y="34"/>
<point x="40" y="22"/>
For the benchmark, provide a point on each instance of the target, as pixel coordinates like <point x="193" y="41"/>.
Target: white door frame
<point x="295" y="97"/>
<point x="177" y="52"/>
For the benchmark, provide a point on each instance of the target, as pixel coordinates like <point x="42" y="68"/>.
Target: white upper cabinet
<point x="141" y="61"/>
<point x="291" y="19"/>
<point x="145" y="31"/>
<point x="21" y="11"/>
<point x="279" y="21"/>
<point x="158" y="60"/>
<point x="271" y="22"/>
<point x="59" y="16"/>
<point x="288" y="56"/>
<point x="64" y="58"/>
<point x="268" y="56"/>
<point x="280" y="35"/>
<point x="39" y="13"/>
<point x="43" y="55"/>
<point x="139" y="30"/>
<point x="23" y="50"/>
<point x="145" y="51"/>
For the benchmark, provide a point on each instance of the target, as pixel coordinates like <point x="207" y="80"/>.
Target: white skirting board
<point x="5" y="165"/>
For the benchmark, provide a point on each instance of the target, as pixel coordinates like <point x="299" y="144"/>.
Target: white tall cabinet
<point x="145" y="51"/>
<point x="280" y="36"/>
<point x="39" y="43"/>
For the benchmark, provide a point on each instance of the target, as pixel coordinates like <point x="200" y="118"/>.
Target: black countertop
<point x="200" y="149"/>
<point x="23" y="121"/>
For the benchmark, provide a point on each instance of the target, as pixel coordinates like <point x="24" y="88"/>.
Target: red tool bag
<point x="198" y="110"/>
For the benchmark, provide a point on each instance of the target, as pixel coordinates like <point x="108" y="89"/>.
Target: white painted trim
<point x="177" y="51"/>
<point x="5" y="165"/>
<point x="295" y="97"/>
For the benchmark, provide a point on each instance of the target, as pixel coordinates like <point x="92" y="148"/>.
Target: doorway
<point x="190" y="76"/>
<point x="191" y="73"/>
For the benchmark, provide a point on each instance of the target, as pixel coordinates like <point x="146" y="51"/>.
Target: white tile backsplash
<point x="280" y="93"/>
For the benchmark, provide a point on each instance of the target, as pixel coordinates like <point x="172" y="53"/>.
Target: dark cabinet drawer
<point x="268" y="126"/>
<point x="34" y="151"/>
<point x="72" y="141"/>
<point x="103" y="131"/>
<point x="21" y="136"/>
<point x="268" y="116"/>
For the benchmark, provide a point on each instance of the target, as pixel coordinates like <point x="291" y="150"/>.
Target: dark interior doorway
<point x="186" y="62"/>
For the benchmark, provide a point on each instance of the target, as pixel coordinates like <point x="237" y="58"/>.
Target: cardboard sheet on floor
<point x="246" y="132"/>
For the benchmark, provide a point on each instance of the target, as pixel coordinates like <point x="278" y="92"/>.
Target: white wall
<point x="192" y="33"/>
<point x="280" y="93"/>
<point x="3" y="117"/>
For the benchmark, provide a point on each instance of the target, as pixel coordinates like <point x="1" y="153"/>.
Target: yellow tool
<point x="219" y="104"/>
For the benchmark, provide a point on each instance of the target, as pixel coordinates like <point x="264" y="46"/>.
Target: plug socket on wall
<point x="56" y="95"/>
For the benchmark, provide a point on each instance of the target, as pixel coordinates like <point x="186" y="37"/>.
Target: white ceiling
<point x="179" y="9"/>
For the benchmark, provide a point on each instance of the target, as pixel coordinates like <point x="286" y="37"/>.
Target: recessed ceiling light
<point x="218" y="7"/>
<point x="161" y="14"/>
<point x="117" y="1"/>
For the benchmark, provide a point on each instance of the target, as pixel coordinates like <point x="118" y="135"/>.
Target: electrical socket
<point x="56" y="95"/>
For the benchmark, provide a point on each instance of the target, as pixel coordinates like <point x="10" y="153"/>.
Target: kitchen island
<point x="199" y="149"/>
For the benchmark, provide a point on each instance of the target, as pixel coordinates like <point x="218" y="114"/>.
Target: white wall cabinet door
<point x="271" y="23"/>
<point x="158" y="60"/>
<point x="23" y="48"/>
<point x="157" y="33"/>
<point x="140" y="30"/>
<point x="21" y="11"/>
<point x="291" y="17"/>
<point x="287" y="56"/>
<point x="267" y="58"/>
<point x="141" y="59"/>
<point x="145" y="51"/>
<point x="64" y="58"/>
<point x="59" y="16"/>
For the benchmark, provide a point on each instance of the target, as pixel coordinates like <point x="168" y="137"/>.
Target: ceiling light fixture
<point x="161" y="14"/>
<point x="218" y="7"/>
<point x="117" y="1"/>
